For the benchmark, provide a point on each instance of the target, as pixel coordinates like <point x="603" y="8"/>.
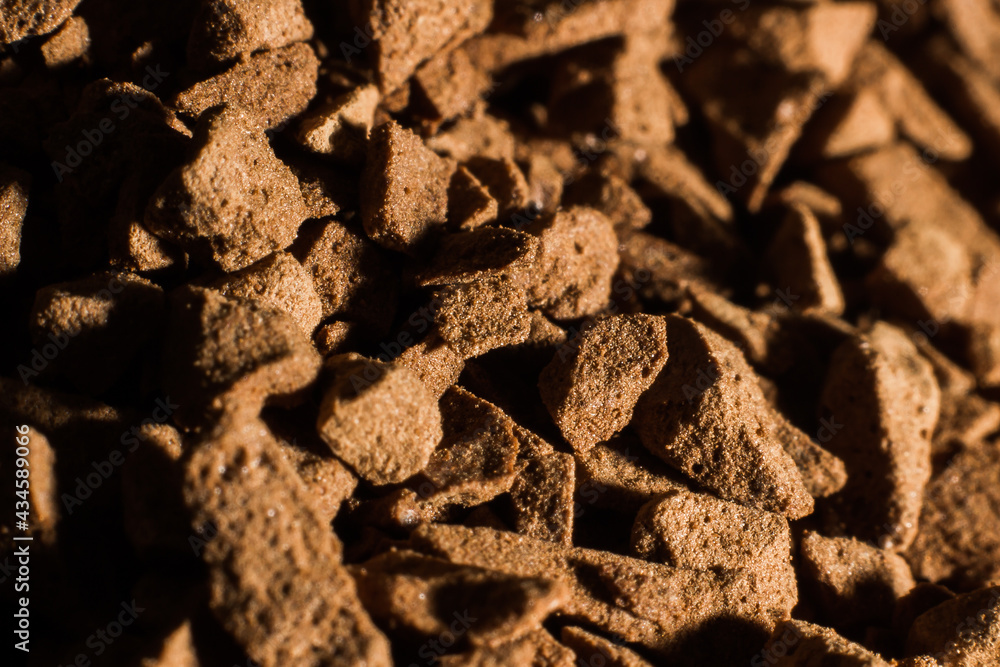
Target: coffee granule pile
<point x="489" y="333"/>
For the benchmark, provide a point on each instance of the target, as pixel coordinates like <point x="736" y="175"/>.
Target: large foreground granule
<point x="706" y="416"/>
<point x="234" y="202"/>
<point x="885" y="397"/>
<point x="276" y="581"/>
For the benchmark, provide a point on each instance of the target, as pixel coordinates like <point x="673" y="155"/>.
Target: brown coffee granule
<point x="823" y="474"/>
<point x="653" y="605"/>
<point x="435" y="362"/>
<point x="965" y="418"/>
<point x="451" y="85"/>
<point x="886" y="399"/>
<point x="670" y="173"/>
<point x="592" y="384"/>
<point x="593" y="649"/>
<point x="470" y="204"/>
<point x="328" y="480"/>
<point x="178" y="650"/>
<point x="695" y="531"/>
<point x="959" y="536"/>
<point x="613" y="197"/>
<point x="102" y="322"/>
<point x="800" y="644"/>
<point x="424" y="596"/>
<point x="814" y="38"/>
<point x="378" y="417"/>
<point x="224" y="30"/>
<point x="234" y="202"/>
<point x="504" y="181"/>
<point x="753" y="110"/>
<point x="342" y="128"/>
<point x="855" y="583"/>
<point x="27" y="18"/>
<point x="335" y="337"/>
<point x="537" y="648"/>
<point x="706" y="416"/>
<point x="270" y="87"/>
<point x="662" y="270"/>
<point x="404" y="189"/>
<point x="622" y="475"/>
<point x="279" y="282"/>
<point x="974" y="97"/>
<point x="476" y="459"/>
<point x="14" y="186"/>
<point x="481" y="135"/>
<point x="802" y="193"/>
<point x="285" y="602"/>
<point x="228" y="355"/>
<point x="408" y="33"/>
<point x="353" y="277"/>
<point x="964" y="631"/>
<point x="578" y="259"/>
<point x="153" y="517"/>
<point x="800" y="265"/>
<point x="486" y="253"/>
<point x="475" y="462"/>
<point x="753" y="332"/>
<point x="70" y="43"/>
<point x="474" y="318"/>
<point x="542" y="495"/>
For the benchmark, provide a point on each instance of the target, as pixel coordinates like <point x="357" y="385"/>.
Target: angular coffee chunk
<point x="234" y="202"/>
<point x="379" y="418"/>
<point x="26" y="18"/>
<point x="404" y="189"/>
<point x="227" y="355"/>
<point x="964" y="631"/>
<point x="653" y="605"/>
<point x="408" y="33"/>
<point x="280" y="282"/>
<point x="477" y="317"/>
<point x="578" y="259"/>
<point x="592" y="385"/>
<point x="341" y="129"/>
<point x="856" y="583"/>
<point x="14" y="186"/>
<point x="801" y="644"/>
<point x="226" y="29"/>
<point x="270" y="87"/>
<point x="591" y="649"/>
<point x="706" y="416"/>
<point x="271" y="551"/>
<point x="885" y="398"/>
<point x="425" y="596"/>
<point x="959" y="529"/>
